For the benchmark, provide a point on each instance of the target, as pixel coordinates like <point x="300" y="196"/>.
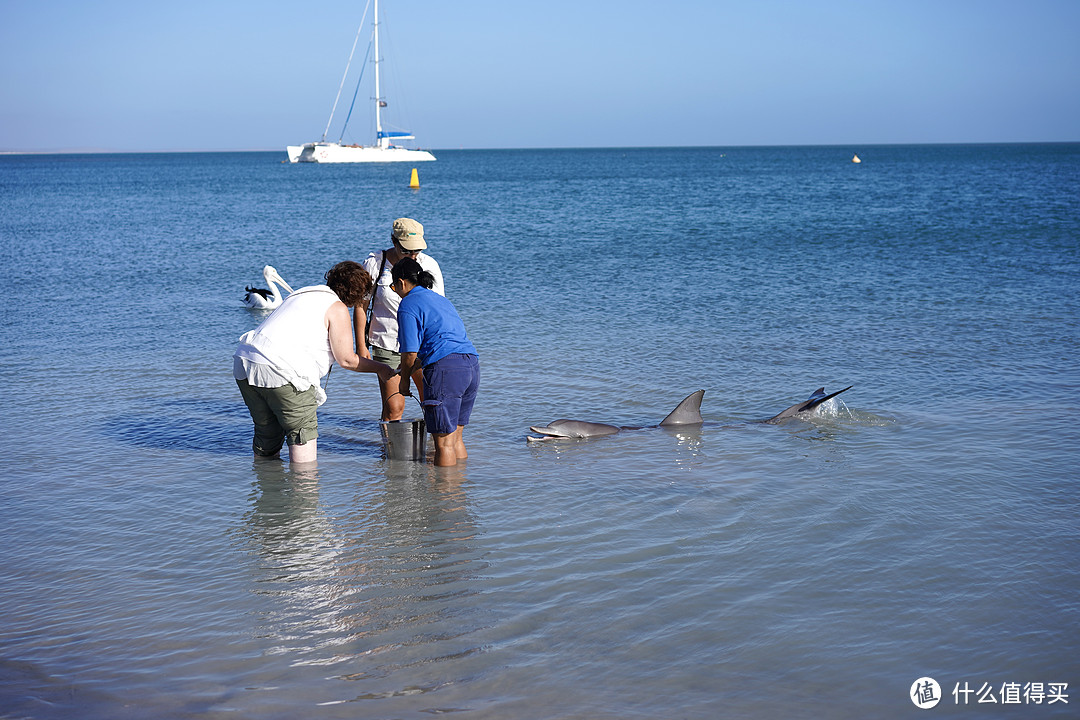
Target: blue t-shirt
<point x="429" y="326"/>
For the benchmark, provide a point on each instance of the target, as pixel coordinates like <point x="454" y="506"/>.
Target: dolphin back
<point x="688" y="412"/>
<point x="815" y="399"/>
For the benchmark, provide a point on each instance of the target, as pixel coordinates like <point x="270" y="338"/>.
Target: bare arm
<point x="408" y="365"/>
<point x="340" y="328"/>
<point x="360" y="328"/>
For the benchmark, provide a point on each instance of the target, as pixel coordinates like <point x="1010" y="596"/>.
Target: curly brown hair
<point x="350" y="281"/>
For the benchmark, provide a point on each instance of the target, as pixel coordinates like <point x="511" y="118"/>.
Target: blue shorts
<point x="449" y="392"/>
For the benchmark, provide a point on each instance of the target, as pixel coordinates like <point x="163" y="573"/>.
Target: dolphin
<point x="687" y="412"/>
<point x="815" y="399"/>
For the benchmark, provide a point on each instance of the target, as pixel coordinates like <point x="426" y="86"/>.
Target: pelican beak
<point x="281" y="281"/>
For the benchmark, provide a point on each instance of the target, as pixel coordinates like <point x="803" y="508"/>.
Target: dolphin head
<point x="574" y="429"/>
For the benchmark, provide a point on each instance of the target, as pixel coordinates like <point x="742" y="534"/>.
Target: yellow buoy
<point x="414" y="181"/>
<point x="854" y="160"/>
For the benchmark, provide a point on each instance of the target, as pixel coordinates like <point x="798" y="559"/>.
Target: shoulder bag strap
<point x="371" y="305"/>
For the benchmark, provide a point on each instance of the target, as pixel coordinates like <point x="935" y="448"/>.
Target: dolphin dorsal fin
<point x="688" y="412"/>
<point x="816" y="399"/>
<point x="819" y="397"/>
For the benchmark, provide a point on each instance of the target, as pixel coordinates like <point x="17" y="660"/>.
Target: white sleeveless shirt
<point x="293" y="341"/>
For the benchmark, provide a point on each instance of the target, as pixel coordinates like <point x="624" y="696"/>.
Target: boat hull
<point x="334" y="153"/>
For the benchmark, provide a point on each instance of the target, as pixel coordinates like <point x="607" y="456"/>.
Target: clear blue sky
<point x="134" y="75"/>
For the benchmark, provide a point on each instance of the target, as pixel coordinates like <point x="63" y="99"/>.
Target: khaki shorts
<point x="391" y="358"/>
<point x="280" y="413"/>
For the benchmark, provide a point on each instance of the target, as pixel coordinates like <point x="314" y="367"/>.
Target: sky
<point x="139" y="75"/>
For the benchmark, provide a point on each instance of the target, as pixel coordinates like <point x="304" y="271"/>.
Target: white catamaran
<point x="384" y="149"/>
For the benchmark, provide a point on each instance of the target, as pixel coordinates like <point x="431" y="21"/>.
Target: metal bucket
<point x="405" y="439"/>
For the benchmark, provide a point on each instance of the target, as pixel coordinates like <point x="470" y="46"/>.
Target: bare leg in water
<point x="450" y="447"/>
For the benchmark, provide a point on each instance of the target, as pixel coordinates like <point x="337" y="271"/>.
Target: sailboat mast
<point x="384" y="149"/>
<point x="378" y="97"/>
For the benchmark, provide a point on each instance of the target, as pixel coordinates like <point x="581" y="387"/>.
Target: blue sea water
<point x="926" y="526"/>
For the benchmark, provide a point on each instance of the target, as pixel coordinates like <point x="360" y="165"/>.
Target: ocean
<point x="923" y="525"/>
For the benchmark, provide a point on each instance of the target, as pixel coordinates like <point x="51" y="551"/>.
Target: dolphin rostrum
<point x="814" y="400"/>
<point x="688" y="412"/>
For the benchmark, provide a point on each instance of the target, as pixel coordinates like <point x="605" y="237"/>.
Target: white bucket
<point x="405" y="439"/>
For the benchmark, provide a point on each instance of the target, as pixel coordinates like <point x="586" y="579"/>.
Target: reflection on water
<point x="381" y="585"/>
<point x="297" y="545"/>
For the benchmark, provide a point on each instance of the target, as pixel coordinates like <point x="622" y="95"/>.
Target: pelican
<point x="261" y="299"/>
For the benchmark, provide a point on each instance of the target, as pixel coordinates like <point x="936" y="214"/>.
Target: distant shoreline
<point x="857" y="146"/>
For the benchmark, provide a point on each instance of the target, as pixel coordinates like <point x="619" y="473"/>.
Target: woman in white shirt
<point x="278" y="365"/>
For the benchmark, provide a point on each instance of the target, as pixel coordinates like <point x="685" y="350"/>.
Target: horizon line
<point x="179" y="151"/>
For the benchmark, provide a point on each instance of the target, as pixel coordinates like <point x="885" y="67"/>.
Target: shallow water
<point x="925" y="526"/>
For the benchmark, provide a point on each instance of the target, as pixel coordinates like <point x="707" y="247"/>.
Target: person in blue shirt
<point x="432" y="336"/>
